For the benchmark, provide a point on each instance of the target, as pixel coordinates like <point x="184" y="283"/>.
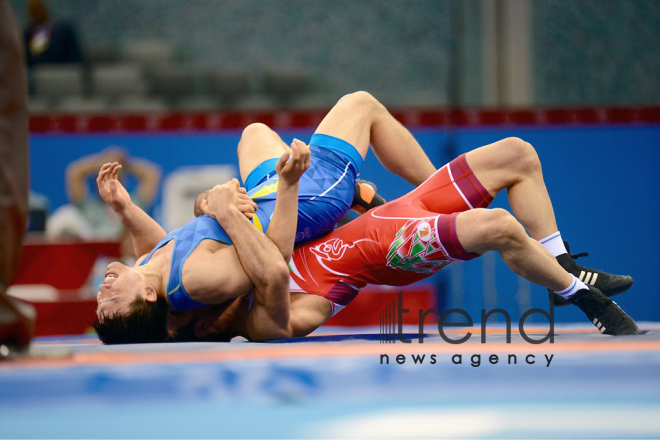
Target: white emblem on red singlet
<point x="331" y="250"/>
<point x="412" y="245"/>
<point x="424" y="231"/>
<point x="334" y="250"/>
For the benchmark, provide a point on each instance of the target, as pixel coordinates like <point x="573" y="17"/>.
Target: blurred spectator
<point x="88" y="216"/>
<point x="38" y="205"/>
<point x="47" y="41"/>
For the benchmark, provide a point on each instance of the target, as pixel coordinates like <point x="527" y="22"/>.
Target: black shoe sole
<point x="604" y="313"/>
<point x="629" y="332"/>
<point x="618" y="286"/>
<point x="612" y="289"/>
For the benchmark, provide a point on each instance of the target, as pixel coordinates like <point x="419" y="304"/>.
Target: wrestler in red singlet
<point x="396" y="244"/>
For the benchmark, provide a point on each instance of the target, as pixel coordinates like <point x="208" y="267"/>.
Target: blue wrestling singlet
<point x="326" y="189"/>
<point x="186" y="239"/>
<point x="325" y="195"/>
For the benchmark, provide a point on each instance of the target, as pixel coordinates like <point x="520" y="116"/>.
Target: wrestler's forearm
<point x="257" y="253"/>
<point x="270" y="315"/>
<point x="145" y="231"/>
<point x="282" y="227"/>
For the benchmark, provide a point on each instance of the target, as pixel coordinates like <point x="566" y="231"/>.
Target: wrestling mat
<point x="337" y="384"/>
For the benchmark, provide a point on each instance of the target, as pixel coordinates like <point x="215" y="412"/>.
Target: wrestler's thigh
<point x="350" y="120"/>
<point x="452" y="188"/>
<point x="258" y="143"/>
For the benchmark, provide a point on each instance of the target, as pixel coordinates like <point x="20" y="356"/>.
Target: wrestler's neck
<point x="156" y="271"/>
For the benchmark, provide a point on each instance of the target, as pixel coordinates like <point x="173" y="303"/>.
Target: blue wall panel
<point x="602" y="180"/>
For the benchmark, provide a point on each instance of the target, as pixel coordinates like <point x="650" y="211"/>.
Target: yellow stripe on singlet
<point x="173" y="290"/>
<point x="257" y="223"/>
<point x="268" y="189"/>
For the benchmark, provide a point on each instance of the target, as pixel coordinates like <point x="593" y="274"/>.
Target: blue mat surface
<point x="336" y="384"/>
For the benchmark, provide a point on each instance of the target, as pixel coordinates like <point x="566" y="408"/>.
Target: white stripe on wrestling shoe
<point x="588" y="277"/>
<point x="599" y="325"/>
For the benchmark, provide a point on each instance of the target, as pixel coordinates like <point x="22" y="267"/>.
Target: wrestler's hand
<point x="291" y="171"/>
<point x="223" y="198"/>
<point x="110" y="189"/>
<point x="245" y="203"/>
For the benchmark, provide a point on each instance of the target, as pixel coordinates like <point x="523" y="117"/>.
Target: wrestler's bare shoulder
<point x="164" y="252"/>
<point x="213" y="273"/>
<point x="202" y="250"/>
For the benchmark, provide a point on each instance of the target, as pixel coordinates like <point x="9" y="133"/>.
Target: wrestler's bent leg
<point x="513" y="164"/>
<point x="360" y="120"/>
<point x="259" y="143"/>
<point x="482" y="230"/>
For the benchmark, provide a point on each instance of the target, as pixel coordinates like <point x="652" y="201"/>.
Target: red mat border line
<point x="212" y="121"/>
<point x="321" y="350"/>
<point x="428" y="330"/>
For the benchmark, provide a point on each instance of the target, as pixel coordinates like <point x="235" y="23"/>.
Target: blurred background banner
<point x="171" y="83"/>
<point x="599" y="177"/>
<point x="296" y="52"/>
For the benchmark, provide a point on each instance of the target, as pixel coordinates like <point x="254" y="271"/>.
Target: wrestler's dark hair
<point x="187" y="334"/>
<point x="146" y="322"/>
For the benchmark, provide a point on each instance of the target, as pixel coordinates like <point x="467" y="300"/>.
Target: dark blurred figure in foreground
<point x="47" y="41"/>
<point x="16" y="318"/>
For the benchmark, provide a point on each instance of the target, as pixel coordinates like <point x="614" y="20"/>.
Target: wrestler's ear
<point x="203" y="327"/>
<point x="150" y="294"/>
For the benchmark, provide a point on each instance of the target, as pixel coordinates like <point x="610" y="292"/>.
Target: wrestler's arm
<point x="213" y="277"/>
<point x="264" y="257"/>
<point x="80" y="170"/>
<point x="254" y="260"/>
<point x="308" y="312"/>
<point x="270" y="315"/>
<point x="145" y="231"/>
<point x="283" y="224"/>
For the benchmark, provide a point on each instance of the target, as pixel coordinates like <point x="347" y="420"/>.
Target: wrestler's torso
<point x="188" y="248"/>
<point x="396" y="244"/>
<point x="380" y="247"/>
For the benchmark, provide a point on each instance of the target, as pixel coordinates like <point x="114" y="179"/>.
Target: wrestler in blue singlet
<point x="325" y="195"/>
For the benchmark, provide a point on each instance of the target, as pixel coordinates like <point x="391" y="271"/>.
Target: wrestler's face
<point x="122" y="285"/>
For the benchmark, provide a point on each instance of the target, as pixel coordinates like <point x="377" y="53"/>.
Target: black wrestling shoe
<point x="366" y="197"/>
<point x="604" y="313"/>
<point x="607" y="283"/>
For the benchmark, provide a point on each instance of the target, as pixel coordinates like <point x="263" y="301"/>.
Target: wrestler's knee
<point x="506" y="230"/>
<point x="359" y="100"/>
<point x="494" y="229"/>
<point x="521" y="155"/>
<point x="251" y="136"/>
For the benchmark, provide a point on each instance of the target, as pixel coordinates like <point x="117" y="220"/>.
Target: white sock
<point x="572" y="289"/>
<point x="554" y="244"/>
